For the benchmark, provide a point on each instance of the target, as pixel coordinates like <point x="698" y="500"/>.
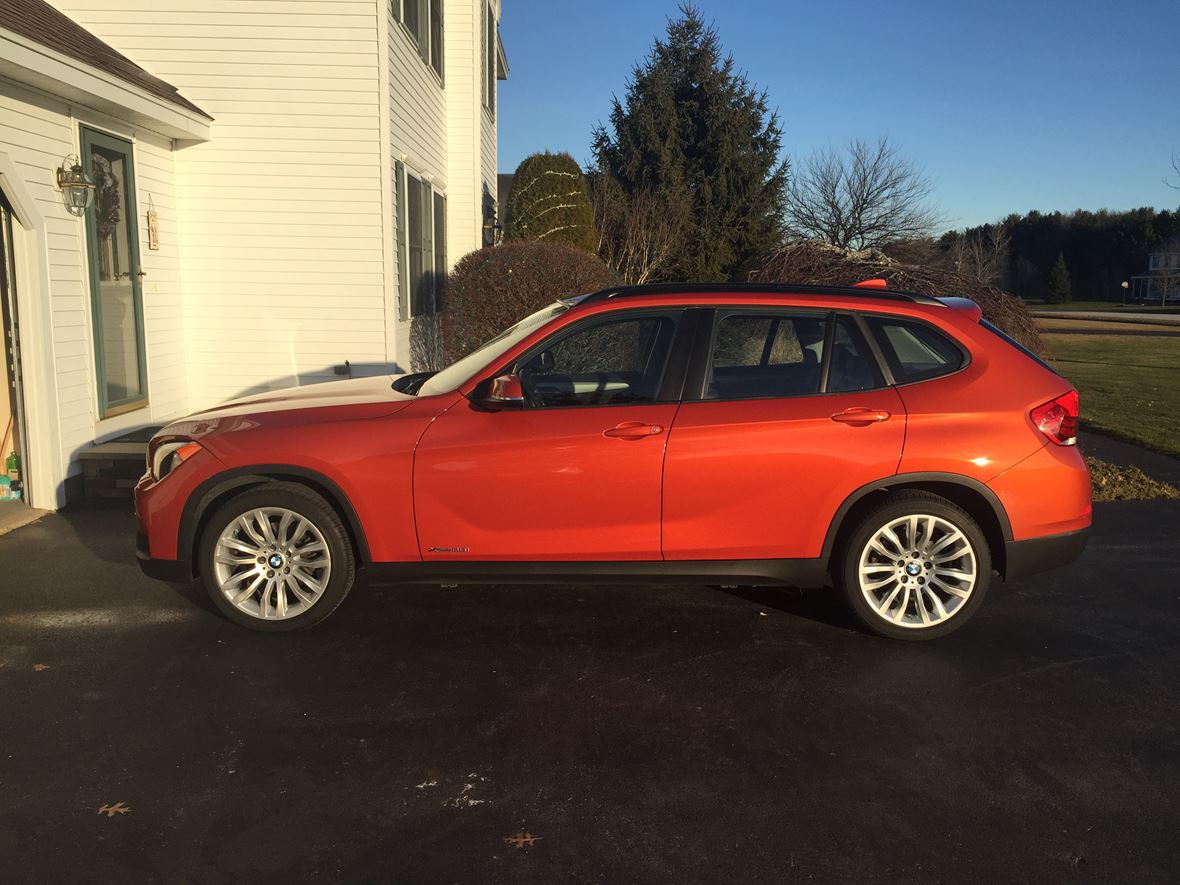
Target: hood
<point x="357" y="398"/>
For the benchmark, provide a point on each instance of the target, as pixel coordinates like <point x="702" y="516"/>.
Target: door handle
<point x="633" y="430"/>
<point x="858" y="416"/>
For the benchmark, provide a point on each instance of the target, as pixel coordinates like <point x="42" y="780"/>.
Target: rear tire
<point x="276" y="558"/>
<point x="915" y="567"/>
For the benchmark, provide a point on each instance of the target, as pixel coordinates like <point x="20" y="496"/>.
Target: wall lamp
<point x="76" y="186"/>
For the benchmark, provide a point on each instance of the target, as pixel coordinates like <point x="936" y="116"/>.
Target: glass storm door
<point x="115" y="275"/>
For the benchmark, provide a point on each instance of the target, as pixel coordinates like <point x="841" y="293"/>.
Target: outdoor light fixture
<point x="76" y="186"/>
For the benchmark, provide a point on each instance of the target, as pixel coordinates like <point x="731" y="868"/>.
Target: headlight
<point x="166" y="457"/>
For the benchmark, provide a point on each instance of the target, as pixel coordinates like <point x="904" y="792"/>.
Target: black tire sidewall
<point x="913" y="503"/>
<point x="312" y="507"/>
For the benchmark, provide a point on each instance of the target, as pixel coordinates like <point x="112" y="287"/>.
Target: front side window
<point x="915" y="351"/>
<point x="766" y="355"/>
<point x="607" y="363"/>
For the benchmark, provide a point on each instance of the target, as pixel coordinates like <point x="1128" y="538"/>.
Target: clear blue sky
<point x="1009" y="106"/>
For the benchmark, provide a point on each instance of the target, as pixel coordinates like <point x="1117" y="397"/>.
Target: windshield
<point x="462" y="370"/>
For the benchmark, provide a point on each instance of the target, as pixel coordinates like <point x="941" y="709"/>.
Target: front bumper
<point x="1041" y="554"/>
<point x="176" y="571"/>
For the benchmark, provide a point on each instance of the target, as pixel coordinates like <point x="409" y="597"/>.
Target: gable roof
<point x="40" y="22"/>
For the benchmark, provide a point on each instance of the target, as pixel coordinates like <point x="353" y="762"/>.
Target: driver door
<point x="574" y="474"/>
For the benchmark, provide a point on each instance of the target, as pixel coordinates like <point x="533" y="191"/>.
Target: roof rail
<point x="764" y="288"/>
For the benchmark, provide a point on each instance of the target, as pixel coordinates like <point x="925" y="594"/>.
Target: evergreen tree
<point x="694" y="131"/>
<point x="548" y="202"/>
<point x="1059" y="286"/>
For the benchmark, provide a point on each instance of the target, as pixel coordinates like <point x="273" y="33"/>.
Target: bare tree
<point x="638" y="234"/>
<point x="866" y="197"/>
<point x="982" y="253"/>
<point x="1176" y="169"/>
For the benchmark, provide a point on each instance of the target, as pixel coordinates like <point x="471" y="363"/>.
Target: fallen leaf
<point x="520" y="840"/>
<point x="112" y="810"/>
<point x="37" y="668"/>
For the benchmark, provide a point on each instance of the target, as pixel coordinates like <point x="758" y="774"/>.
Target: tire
<point x="914" y="598"/>
<point x="311" y="549"/>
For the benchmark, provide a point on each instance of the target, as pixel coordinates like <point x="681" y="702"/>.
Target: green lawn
<point x="1129" y="384"/>
<point x="1104" y="307"/>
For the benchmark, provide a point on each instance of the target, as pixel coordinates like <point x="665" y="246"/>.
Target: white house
<point x="276" y="188"/>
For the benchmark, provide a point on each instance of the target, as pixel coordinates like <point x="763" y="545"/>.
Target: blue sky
<point x="1008" y="106"/>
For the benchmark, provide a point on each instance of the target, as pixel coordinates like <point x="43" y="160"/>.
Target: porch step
<point x="111" y="469"/>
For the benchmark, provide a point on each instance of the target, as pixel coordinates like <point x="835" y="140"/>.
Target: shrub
<point x="821" y="264"/>
<point x="549" y="202"/>
<point x="494" y="287"/>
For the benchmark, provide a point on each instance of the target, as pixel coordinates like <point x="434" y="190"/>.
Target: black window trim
<point x="671" y="386"/>
<point x="698" y="370"/>
<point x="882" y="349"/>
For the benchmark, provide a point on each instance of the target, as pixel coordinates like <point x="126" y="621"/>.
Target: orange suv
<point x="893" y="444"/>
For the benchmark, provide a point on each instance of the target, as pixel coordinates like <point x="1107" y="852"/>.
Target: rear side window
<point x="766" y="355"/>
<point x="915" y="351"/>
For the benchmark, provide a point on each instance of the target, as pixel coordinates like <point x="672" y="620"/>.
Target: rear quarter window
<point x="914" y="350"/>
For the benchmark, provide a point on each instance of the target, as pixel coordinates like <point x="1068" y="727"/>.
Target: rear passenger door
<point x="785" y="413"/>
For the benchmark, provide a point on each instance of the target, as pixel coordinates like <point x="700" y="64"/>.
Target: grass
<point x="1105" y="307"/>
<point x="1114" y="483"/>
<point x="1129" y="384"/>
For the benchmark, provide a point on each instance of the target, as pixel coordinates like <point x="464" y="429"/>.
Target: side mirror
<point x="506" y="392"/>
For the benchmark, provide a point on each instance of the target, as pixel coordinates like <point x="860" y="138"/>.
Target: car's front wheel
<point x="915" y="567"/>
<point x="276" y="558"/>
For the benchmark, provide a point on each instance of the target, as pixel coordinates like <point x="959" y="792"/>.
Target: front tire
<point x="276" y="558"/>
<point x="915" y="567"/>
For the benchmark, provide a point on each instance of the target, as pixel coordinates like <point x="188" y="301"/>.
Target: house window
<point x="420" y="228"/>
<point x="489" y="59"/>
<point x="423" y="21"/>
<point x="436" y="36"/>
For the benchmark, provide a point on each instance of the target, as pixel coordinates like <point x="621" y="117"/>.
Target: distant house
<point x="276" y="190"/>
<point x="1161" y="282"/>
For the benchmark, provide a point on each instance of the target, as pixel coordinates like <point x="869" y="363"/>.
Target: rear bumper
<point x="1041" y="554"/>
<point x="175" y="571"/>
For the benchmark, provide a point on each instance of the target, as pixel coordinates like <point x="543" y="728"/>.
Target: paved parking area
<point x="680" y="734"/>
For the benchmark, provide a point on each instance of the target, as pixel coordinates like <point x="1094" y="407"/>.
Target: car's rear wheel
<point x="915" y="567"/>
<point x="276" y="558"/>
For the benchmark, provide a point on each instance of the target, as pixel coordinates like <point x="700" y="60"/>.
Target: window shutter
<point x="428" y="283"/>
<point x="440" y="249"/>
<point x="423" y="28"/>
<point x="399" y="232"/>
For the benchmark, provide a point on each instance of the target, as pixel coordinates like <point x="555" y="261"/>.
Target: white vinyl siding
<point x="281" y="213"/>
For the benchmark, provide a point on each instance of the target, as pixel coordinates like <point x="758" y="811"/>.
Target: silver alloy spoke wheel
<point x="272" y="563"/>
<point x="917" y="571"/>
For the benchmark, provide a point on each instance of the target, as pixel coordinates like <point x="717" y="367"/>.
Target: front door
<point x="573" y="475"/>
<point x="115" y="274"/>
<point x="776" y="438"/>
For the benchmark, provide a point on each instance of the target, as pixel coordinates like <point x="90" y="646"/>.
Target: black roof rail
<point x="764" y="288"/>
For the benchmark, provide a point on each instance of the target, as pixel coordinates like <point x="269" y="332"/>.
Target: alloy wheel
<point x="917" y="571"/>
<point x="272" y="563"/>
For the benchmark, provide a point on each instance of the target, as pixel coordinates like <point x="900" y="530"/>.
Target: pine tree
<point x="549" y="202"/>
<point x="1060" y="288"/>
<point x="695" y="132"/>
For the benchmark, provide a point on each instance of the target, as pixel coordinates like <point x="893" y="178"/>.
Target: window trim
<point x="668" y="392"/>
<point x="424" y="43"/>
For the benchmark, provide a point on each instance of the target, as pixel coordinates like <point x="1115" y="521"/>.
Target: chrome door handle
<point x="859" y="416"/>
<point x="633" y="430"/>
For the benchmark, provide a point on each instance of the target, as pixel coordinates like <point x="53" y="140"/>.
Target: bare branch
<point x="867" y="197"/>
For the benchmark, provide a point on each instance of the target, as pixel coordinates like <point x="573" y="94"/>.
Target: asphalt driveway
<point x="686" y="734"/>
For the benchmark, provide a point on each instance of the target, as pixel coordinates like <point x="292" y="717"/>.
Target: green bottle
<point x="12" y="466"/>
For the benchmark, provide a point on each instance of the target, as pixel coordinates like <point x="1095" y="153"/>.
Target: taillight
<point x="1058" y="419"/>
